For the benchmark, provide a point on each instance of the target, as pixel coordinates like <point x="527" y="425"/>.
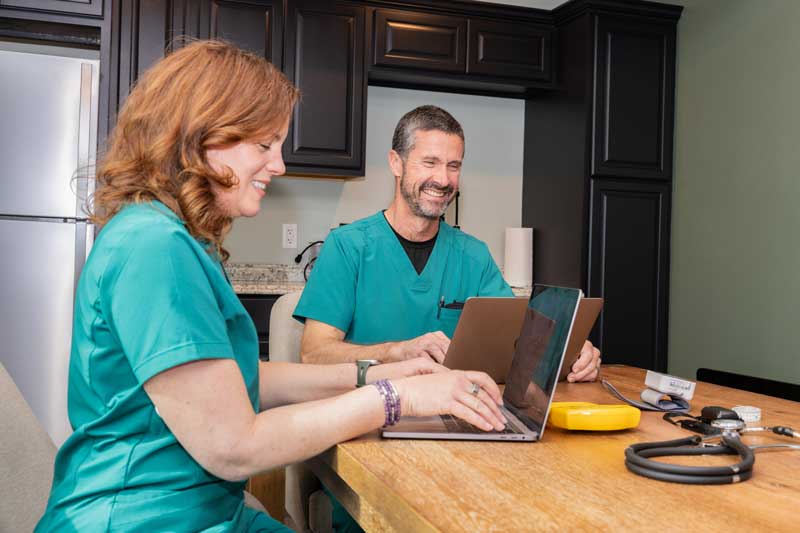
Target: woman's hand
<point x="471" y="396"/>
<point x="403" y="369"/>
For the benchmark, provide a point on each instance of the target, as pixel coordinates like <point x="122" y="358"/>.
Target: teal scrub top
<point x="149" y="298"/>
<point x="364" y="284"/>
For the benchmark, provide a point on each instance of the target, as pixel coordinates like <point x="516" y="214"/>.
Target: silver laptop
<point x="530" y="382"/>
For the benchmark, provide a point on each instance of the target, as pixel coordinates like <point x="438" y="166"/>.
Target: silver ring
<point x="475" y="389"/>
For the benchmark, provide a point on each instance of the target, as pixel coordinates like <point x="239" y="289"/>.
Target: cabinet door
<point x="143" y="30"/>
<point x="629" y="267"/>
<point x="141" y="33"/>
<point x="420" y="41"/>
<point x="325" y="60"/>
<point x="73" y="7"/>
<point x="634" y="98"/>
<point x="254" y="25"/>
<point x="509" y="50"/>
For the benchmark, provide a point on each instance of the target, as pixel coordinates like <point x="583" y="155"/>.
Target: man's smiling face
<point x="429" y="175"/>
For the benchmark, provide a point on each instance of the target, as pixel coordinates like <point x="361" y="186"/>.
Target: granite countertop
<point x="265" y="279"/>
<point x="249" y="278"/>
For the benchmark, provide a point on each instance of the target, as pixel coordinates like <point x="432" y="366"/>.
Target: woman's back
<point x="150" y="298"/>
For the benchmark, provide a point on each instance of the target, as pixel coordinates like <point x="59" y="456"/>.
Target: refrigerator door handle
<point x="85" y="182"/>
<point x="89" y="241"/>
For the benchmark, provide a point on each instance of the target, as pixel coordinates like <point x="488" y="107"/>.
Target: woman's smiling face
<point x="253" y="163"/>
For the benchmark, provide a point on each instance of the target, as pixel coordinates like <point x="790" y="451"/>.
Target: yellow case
<point x="593" y="417"/>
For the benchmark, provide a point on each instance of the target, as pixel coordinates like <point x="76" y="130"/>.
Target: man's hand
<point x="433" y="345"/>
<point x="587" y="367"/>
<point x="404" y="369"/>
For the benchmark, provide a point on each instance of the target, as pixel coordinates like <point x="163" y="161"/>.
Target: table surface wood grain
<point x="574" y="480"/>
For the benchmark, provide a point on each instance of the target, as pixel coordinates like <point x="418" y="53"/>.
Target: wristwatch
<point x="363" y="365"/>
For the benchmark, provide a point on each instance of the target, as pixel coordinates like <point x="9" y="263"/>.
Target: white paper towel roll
<point x="518" y="267"/>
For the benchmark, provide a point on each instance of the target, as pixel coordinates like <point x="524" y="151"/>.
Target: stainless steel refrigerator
<point x="48" y="125"/>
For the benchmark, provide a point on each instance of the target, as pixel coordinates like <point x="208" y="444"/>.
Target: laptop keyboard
<point x="456" y="425"/>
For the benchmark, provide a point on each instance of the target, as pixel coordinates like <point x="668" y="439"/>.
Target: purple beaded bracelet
<point x="391" y="401"/>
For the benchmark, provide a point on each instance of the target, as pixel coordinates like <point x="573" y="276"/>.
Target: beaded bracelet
<point x="391" y="401"/>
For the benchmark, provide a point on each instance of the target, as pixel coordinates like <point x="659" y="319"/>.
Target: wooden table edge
<point x="353" y="485"/>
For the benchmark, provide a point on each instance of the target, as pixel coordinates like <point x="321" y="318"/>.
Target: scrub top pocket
<point x="448" y="318"/>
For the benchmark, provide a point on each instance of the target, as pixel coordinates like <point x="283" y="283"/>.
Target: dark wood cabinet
<point x="634" y="98"/>
<point x="509" y="50"/>
<point x="419" y="40"/>
<point x="143" y="31"/>
<point x="325" y="59"/>
<point x="597" y="171"/>
<point x="259" y="307"/>
<point x="254" y="25"/>
<point x="629" y="268"/>
<point x="92" y="8"/>
<point x="466" y="52"/>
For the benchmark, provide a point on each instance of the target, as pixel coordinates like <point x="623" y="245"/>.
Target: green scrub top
<point x="364" y="284"/>
<point x="149" y="298"/>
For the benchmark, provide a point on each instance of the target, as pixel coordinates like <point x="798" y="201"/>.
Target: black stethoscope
<point x="729" y="432"/>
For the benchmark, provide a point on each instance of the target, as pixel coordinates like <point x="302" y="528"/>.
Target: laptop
<point x="530" y="382"/>
<point x="588" y="311"/>
<point x="488" y="329"/>
<point x="486" y="335"/>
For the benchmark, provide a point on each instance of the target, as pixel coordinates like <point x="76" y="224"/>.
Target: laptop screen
<point x="539" y="353"/>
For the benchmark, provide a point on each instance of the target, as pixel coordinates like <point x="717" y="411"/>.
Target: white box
<point x="670" y="384"/>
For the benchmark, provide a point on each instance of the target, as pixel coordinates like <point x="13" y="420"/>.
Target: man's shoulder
<point x="357" y="232"/>
<point x="467" y="244"/>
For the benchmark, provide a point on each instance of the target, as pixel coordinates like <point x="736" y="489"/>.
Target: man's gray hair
<point x="425" y="118"/>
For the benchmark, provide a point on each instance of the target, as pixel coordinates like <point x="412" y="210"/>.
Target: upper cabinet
<point x="325" y="59"/>
<point x="93" y="8"/>
<point x="254" y="25"/>
<point x="420" y="41"/>
<point x="481" y="49"/>
<point x="634" y="98"/>
<point x="510" y="50"/>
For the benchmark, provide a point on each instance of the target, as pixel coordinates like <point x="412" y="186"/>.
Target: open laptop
<point x="588" y="310"/>
<point x="531" y="380"/>
<point x="486" y="335"/>
<point x="488" y="329"/>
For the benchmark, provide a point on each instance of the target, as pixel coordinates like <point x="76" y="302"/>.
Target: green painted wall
<point x="735" y="278"/>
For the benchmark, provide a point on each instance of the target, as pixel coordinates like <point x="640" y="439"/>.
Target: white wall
<point x="491" y="179"/>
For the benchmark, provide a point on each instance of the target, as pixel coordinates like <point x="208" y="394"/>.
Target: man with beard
<point x="391" y="286"/>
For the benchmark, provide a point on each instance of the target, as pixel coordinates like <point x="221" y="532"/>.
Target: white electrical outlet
<point x="290" y="236"/>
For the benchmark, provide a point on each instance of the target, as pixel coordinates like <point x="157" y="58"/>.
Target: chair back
<point x="770" y="387"/>
<point x="27" y="456"/>
<point x="285" y="332"/>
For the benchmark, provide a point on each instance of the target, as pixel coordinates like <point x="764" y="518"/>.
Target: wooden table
<point x="569" y="480"/>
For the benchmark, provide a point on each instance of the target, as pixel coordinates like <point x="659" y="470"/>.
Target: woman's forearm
<point x="291" y="433"/>
<point x="287" y="383"/>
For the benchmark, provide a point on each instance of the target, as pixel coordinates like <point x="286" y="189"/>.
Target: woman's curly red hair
<point x="206" y="94"/>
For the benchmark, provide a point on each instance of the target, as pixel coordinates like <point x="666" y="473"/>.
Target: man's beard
<point x="416" y="204"/>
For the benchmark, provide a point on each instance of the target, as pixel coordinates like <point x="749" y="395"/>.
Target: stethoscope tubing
<point x="637" y="461"/>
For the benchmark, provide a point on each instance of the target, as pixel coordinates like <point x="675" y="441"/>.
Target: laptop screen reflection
<point x="539" y="352"/>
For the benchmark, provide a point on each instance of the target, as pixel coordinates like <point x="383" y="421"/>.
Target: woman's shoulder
<point x="145" y="223"/>
<point x="148" y="231"/>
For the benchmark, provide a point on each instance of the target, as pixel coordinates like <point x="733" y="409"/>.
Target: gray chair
<point x="27" y="456"/>
<point x="307" y="507"/>
<point x="26" y="460"/>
